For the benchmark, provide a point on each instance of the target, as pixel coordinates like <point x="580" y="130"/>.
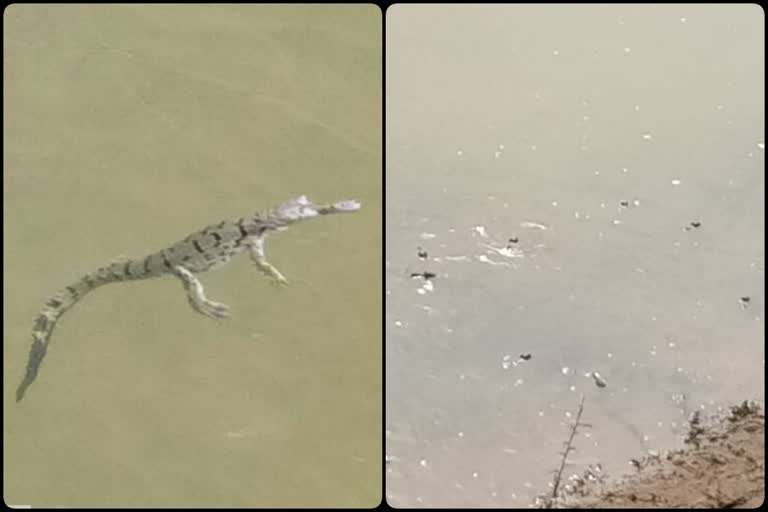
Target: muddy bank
<point x="722" y="466"/>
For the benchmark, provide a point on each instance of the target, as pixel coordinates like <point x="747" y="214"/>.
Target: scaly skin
<point x="203" y="250"/>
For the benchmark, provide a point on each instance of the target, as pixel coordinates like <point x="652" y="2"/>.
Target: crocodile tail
<point x="52" y="311"/>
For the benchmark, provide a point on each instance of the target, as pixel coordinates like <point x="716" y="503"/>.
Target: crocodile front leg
<point x="196" y="295"/>
<point x="256" y="248"/>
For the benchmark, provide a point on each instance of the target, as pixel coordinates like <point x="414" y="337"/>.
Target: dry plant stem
<point x="568" y="448"/>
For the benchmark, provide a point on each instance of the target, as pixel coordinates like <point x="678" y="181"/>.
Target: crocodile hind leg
<point x="256" y="248"/>
<point x="196" y="295"/>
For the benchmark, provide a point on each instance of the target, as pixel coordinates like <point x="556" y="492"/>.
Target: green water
<point x="128" y="127"/>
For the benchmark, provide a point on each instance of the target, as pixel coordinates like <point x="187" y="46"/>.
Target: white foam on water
<point x="533" y="225"/>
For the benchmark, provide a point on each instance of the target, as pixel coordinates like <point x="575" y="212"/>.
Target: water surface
<point x="127" y="128"/>
<point x="596" y="136"/>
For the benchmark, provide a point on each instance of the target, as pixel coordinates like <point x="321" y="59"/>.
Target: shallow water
<point x="129" y="127"/>
<point x="596" y="136"/>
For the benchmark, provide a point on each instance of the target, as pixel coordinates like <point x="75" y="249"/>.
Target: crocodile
<point x="203" y="250"/>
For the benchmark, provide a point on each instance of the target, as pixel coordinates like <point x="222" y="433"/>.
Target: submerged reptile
<point x="203" y="250"/>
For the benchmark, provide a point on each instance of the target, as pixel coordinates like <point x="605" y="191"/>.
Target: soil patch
<point x="722" y="466"/>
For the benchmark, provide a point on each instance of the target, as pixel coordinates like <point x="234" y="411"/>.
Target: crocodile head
<point x="297" y="209"/>
<point x="302" y="208"/>
<point x="346" y="206"/>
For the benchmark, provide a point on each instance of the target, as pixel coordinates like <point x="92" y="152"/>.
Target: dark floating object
<point x="745" y="299"/>
<point x="525" y="357"/>
<point x="695" y="224"/>
<point x="599" y="380"/>
<point x="423" y="275"/>
<point x="422" y="253"/>
<point x="624" y="203"/>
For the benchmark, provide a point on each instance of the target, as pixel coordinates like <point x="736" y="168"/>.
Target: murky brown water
<point x="128" y="127"/>
<point x="595" y="136"/>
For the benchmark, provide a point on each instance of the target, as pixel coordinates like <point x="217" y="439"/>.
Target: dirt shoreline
<point x="722" y="466"/>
